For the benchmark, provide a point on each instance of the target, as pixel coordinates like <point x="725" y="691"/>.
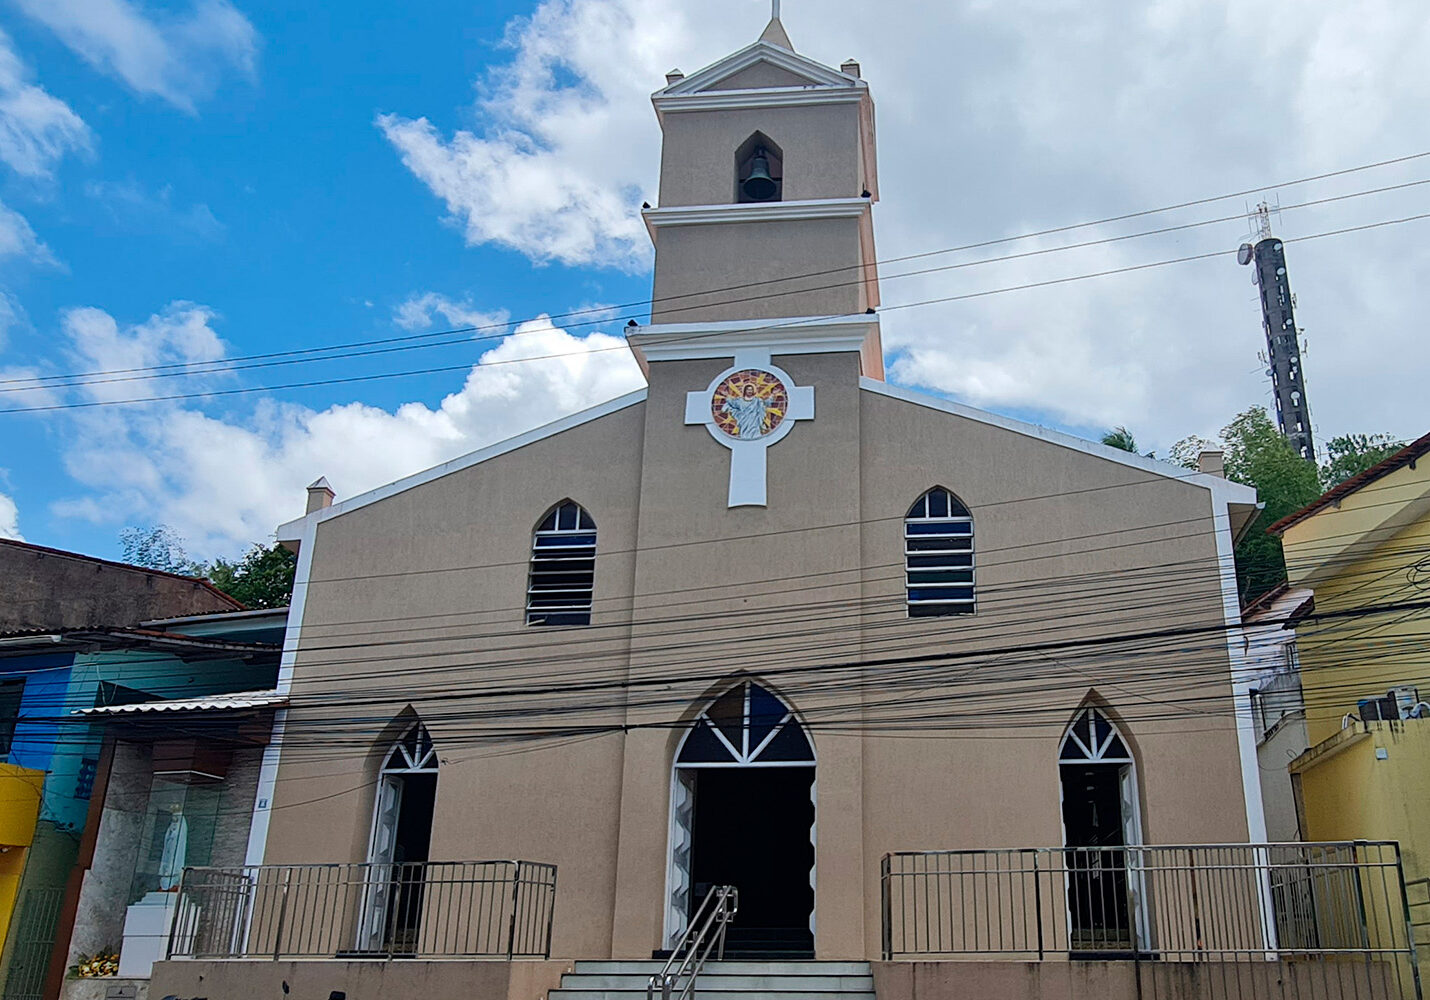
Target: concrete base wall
<point x="1132" y="981"/>
<point x="447" y="980"/>
<point x="105" y="988"/>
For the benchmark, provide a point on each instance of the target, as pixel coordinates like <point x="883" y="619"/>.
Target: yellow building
<point x="1364" y="549"/>
<point x="20" y="791"/>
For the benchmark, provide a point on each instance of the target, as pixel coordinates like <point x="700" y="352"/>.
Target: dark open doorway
<point x="411" y="847"/>
<point x="751" y="830"/>
<point x="1097" y="879"/>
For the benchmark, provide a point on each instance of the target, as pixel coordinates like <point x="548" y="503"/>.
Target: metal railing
<point x="706" y="933"/>
<point x="472" y="909"/>
<point x="1332" y="903"/>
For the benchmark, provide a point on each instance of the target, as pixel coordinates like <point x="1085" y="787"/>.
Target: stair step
<point x="727" y="968"/>
<point x="721" y="982"/>
<point x="704" y="994"/>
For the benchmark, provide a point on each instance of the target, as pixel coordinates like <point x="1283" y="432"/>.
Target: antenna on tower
<point x="1283" y="342"/>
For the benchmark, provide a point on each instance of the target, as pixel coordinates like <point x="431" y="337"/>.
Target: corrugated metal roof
<point x="233" y="701"/>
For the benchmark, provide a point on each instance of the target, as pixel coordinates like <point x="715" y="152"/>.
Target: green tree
<point x="1258" y="454"/>
<point x="263" y="578"/>
<point x="1186" y="451"/>
<point x="158" y="547"/>
<point x="1351" y="454"/>
<point x="1120" y="438"/>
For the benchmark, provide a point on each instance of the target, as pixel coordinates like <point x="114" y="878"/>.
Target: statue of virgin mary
<point x="176" y="846"/>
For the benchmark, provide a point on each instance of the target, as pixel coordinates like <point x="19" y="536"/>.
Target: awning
<point x="236" y="701"/>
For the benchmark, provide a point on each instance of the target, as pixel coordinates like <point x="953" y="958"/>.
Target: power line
<point x="404" y="344"/>
<point x="605" y="310"/>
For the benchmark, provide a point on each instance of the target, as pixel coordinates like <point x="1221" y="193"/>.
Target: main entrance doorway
<point x="743" y="815"/>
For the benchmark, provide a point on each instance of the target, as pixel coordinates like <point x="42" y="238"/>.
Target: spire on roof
<point x="774" y="32"/>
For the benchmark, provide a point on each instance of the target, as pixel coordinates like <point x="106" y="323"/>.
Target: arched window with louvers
<point x="563" y="567"/>
<point x="938" y="556"/>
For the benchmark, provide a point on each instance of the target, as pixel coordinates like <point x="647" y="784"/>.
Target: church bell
<point x="759" y="186"/>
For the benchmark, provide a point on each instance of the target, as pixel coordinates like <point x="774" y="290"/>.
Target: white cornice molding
<point x="816" y="73"/>
<point x="772" y="97"/>
<point x="759" y="211"/>
<point x="796" y="335"/>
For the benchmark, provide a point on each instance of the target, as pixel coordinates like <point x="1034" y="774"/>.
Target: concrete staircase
<point x="772" y="980"/>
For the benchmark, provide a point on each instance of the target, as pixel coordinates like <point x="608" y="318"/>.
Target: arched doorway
<point x="1101" y="817"/>
<point x="399" y="845"/>
<point x="742" y="814"/>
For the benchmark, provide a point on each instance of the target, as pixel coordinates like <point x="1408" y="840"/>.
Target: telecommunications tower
<point x="1283" y="342"/>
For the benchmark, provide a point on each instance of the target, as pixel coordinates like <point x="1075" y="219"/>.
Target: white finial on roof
<point x="775" y="9"/>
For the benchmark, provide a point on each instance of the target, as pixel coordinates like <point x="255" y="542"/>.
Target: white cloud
<point x="180" y="335"/>
<point x="563" y="157"/>
<point x="17" y="239"/>
<point x="9" y="519"/>
<point x="224" y="482"/>
<point x="998" y="119"/>
<point x="176" y="57"/>
<point x="36" y="128"/>
<point x="419" y="313"/>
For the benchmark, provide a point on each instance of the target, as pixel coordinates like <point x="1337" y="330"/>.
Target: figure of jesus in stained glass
<point x="750" y="404"/>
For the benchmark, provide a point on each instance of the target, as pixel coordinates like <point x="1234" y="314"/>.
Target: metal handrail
<point x="706" y="933"/>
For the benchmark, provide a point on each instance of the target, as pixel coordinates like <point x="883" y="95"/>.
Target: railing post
<point x="178" y="910"/>
<point x="550" y="912"/>
<point x="1409" y="922"/>
<point x="515" y="896"/>
<point x="282" y="913"/>
<point x="887" y="911"/>
<point x="1038" y="903"/>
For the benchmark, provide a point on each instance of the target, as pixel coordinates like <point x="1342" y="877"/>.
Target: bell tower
<point x="764" y="231"/>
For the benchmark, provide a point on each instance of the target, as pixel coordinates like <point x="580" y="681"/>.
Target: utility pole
<point x="1283" y="342"/>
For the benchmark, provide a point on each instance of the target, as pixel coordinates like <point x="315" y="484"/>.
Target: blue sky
<point x="201" y="179"/>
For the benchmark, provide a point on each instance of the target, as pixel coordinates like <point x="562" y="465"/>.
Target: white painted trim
<point x="1227" y="491"/>
<point x="755" y="211"/>
<point x="273" y="752"/>
<point x="742" y="100"/>
<point x="799" y="335"/>
<point x="760" y="51"/>
<point x="294" y="530"/>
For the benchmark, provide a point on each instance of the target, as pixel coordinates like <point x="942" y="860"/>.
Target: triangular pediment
<point x="761" y="66"/>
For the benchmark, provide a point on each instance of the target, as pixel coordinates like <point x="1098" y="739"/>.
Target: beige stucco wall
<point x="418" y="600"/>
<point x="820" y="146"/>
<point x="761" y="271"/>
<point x="359" y="980"/>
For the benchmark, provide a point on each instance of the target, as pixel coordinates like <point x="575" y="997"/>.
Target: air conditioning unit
<point x="1378" y="709"/>
<point x="1398" y="703"/>
<point x="1406" y="698"/>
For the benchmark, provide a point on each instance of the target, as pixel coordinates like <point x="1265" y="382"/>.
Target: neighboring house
<point x="920" y="682"/>
<point x="84" y="633"/>
<point x="43" y="588"/>
<point x="1277" y="709"/>
<point x="1364" y="549"/>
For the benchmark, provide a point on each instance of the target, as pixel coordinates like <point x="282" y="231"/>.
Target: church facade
<point x="771" y="618"/>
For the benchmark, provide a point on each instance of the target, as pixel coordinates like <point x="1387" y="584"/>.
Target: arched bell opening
<point x="742" y="813"/>
<point x="759" y="170"/>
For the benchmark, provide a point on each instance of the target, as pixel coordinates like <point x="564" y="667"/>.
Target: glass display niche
<point x="178" y="832"/>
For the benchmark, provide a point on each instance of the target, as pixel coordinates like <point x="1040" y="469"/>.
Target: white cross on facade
<point x="750" y="406"/>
